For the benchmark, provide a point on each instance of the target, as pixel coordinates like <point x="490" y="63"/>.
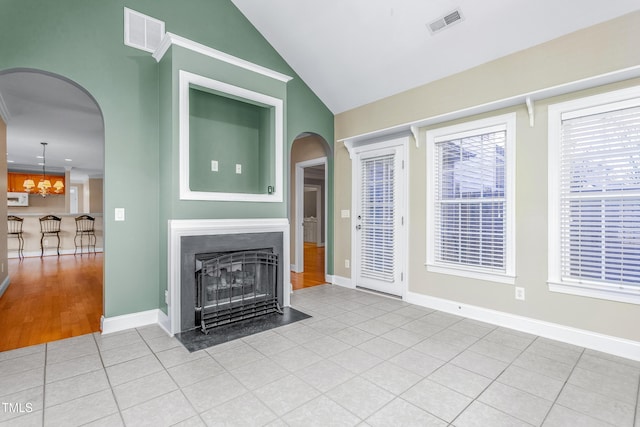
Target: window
<point x="470" y="196"/>
<point x="594" y="196"/>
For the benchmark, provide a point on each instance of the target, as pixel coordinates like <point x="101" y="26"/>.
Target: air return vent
<point x="446" y="21"/>
<point x="142" y="31"/>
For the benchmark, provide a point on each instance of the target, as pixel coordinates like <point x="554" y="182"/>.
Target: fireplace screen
<point x="235" y="286"/>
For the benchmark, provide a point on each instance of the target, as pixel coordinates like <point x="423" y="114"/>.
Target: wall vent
<point x="446" y="21"/>
<point x="142" y="31"/>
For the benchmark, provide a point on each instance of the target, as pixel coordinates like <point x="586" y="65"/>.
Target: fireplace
<point x="218" y="266"/>
<point x="233" y="286"/>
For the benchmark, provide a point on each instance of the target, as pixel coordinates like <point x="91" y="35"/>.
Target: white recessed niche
<point x="232" y="125"/>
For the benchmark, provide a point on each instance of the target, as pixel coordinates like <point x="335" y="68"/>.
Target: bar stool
<point x="49" y="226"/>
<point x="14" y="225"/>
<point x="85" y="227"/>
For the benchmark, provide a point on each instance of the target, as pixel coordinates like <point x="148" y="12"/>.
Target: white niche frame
<point x="186" y="79"/>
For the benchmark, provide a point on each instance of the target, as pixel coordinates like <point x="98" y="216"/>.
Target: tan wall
<point x="307" y="148"/>
<point x="593" y="51"/>
<point x="95" y="195"/>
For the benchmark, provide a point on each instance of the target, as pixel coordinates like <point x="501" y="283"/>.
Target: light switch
<point x="214" y="166"/>
<point x="238" y="168"/>
<point x="119" y="214"/>
<point x="344" y="213"/>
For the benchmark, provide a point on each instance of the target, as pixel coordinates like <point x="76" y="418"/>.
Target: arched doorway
<point x="308" y="209"/>
<point x="52" y="296"/>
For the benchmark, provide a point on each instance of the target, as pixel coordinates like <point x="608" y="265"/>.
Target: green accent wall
<point x="82" y="40"/>
<point x="232" y="133"/>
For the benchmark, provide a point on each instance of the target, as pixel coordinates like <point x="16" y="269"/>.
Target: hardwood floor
<point x="51" y="298"/>
<point x="313" y="274"/>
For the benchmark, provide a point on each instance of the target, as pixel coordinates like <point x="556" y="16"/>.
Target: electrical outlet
<point x="520" y="293"/>
<point x="347" y="263"/>
<point x="214" y="166"/>
<point x="166" y="296"/>
<point x="344" y="213"/>
<point x="238" y="168"/>
<point x="46" y="243"/>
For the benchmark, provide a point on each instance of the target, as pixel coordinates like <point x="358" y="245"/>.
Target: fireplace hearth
<point x="234" y="286"/>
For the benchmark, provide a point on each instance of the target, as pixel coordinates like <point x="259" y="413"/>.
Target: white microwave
<point x="17" y="199"/>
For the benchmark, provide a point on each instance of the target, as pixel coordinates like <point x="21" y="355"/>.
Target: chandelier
<point x="44" y="186"/>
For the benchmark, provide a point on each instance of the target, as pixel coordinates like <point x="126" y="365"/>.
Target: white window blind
<point x="378" y="217"/>
<point x="600" y="197"/>
<point x="470" y="201"/>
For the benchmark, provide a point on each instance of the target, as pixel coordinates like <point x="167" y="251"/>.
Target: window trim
<point x="467" y="129"/>
<point x="570" y="109"/>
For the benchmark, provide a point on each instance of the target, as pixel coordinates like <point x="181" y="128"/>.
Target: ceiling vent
<point x="142" y="31"/>
<point x="446" y="21"/>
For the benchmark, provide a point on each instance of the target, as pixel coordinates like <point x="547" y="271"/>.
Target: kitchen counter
<point x="31" y="234"/>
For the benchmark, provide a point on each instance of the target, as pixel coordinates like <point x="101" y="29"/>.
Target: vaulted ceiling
<point x="353" y="52"/>
<point x="349" y="52"/>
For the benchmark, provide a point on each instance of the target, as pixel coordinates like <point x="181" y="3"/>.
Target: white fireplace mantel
<point x="204" y="227"/>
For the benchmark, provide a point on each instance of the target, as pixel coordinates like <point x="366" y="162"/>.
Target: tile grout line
<point x="494" y="380"/>
<point x="564" y="384"/>
<point x="44" y="381"/>
<point x="636" y="421"/>
<point x="104" y="368"/>
<point x="170" y="376"/>
<point x="166" y="370"/>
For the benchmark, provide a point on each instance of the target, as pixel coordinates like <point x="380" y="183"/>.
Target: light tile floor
<point x="360" y="360"/>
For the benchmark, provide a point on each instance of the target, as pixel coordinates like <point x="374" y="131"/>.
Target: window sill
<point x="592" y="290"/>
<point x="472" y="274"/>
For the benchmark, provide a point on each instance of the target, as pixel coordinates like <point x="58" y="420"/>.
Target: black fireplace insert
<point x="233" y="286"/>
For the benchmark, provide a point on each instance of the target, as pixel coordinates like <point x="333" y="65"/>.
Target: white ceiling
<point x="43" y="108"/>
<point x="353" y="52"/>
<point x="350" y="52"/>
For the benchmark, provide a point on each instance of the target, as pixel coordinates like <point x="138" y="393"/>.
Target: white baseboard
<point x="342" y="281"/>
<point x="580" y="337"/>
<point x="4" y="285"/>
<point x="163" y="321"/>
<point x="133" y="320"/>
<point x="49" y="252"/>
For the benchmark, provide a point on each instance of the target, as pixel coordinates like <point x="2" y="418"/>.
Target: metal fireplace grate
<point x="235" y="286"/>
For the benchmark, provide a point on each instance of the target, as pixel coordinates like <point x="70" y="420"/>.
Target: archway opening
<point x="309" y="210"/>
<point x="54" y="291"/>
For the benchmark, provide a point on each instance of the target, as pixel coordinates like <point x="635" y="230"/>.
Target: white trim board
<point x="4" y="111"/>
<point x="345" y="282"/>
<point x="186" y="79"/>
<point x="545" y="93"/>
<point x="580" y="337"/>
<point x="170" y="39"/>
<point x="109" y="325"/>
<point x="299" y="210"/>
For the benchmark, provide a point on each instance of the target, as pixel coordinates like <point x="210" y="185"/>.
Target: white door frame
<point x="319" y="215"/>
<point x="403" y="143"/>
<point x="298" y="267"/>
<point x="73" y="196"/>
